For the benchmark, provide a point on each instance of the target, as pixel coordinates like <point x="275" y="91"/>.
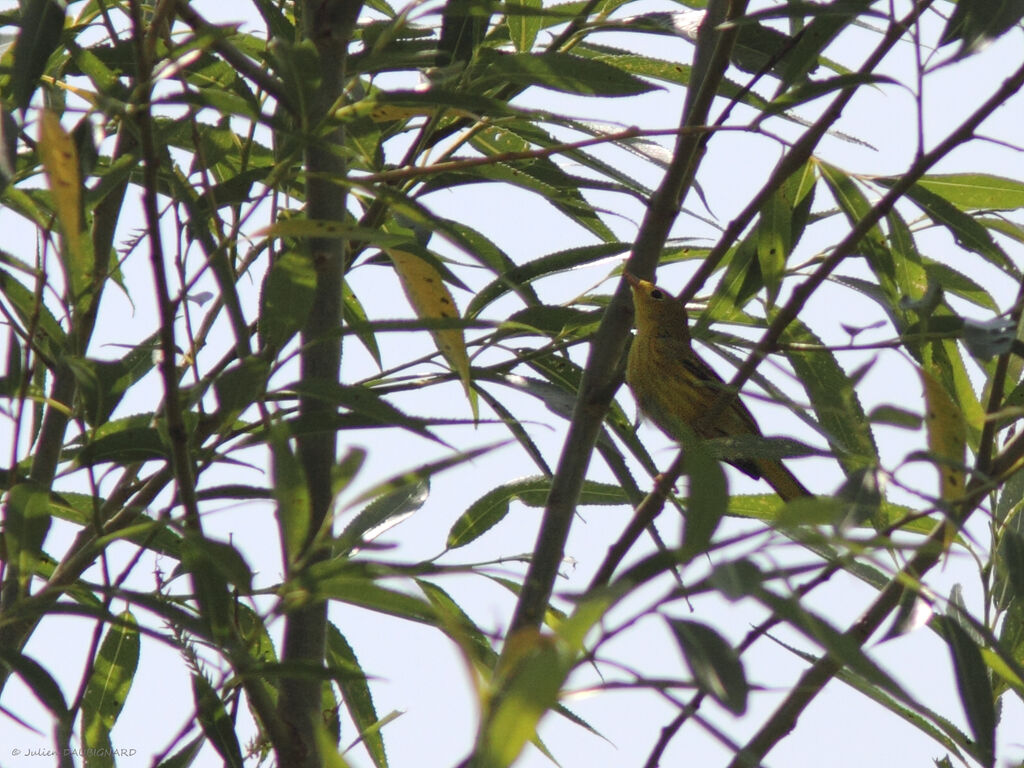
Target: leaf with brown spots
<point x="432" y="300"/>
<point x="60" y="160"/>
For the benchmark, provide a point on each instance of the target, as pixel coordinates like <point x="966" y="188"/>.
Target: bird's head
<point x="656" y="311"/>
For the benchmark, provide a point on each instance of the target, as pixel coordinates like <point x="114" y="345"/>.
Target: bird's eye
<point x="657" y="294"/>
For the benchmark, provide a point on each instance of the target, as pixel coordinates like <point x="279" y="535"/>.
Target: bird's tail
<point x="784" y="482"/>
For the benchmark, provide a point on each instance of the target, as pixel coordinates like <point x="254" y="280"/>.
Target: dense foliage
<point x="199" y="217"/>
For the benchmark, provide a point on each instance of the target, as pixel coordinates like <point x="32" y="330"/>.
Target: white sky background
<point x="417" y="670"/>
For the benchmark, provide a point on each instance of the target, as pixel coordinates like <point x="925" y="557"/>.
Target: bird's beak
<point x="633" y="280"/>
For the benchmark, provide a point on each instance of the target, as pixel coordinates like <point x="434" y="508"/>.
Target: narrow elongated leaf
<point x="126" y="445"/>
<point x="947" y="436"/>
<point x="365" y="593"/>
<point x="286" y="299"/>
<point x="424" y="471"/>
<point x="356" y="695"/>
<point x="36" y="679"/>
<point x="42" y="22"/>
<point x="185" y="757"/>
<point x="463" y="26"/>
<point x="834" y="399"/>
<point x="774" y="241"/>
<point x="518" y="277"/>
<point x="491" y="508"/>
<point x="216" y="723"/>
<point x="976" y="22"/>
<point x="431" y="299"/>
<point x="210" y="584"/>
<point x="975" y="687"/>
<point x="383" y="513"/>
<point x="968" y="232"/>
<point x="855" y="206"/>
<point x="976" y="191"/>
<point x="108" y="687"/>
<point x="714" y="663"/>
<point x="459" y="625"/>
<point x="291" y="492"/>
<point x="60" y="159"/>
<point x="532" y="674"/>
<point x="32" y="313"/>
<point x="804" y="55"/>
<point x="523" y="24"/>
<point x="707" y="500"/>
<point x="562" y="72"/>
<point x="26" y="524"/>
<point x="8" y="146"/>
<point x="815" y="89"/>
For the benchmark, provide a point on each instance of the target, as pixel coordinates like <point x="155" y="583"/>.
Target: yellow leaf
<point x="432" y="300"/>
<point x="947" y="436"/>
<point x="947" y="440"/>
<point x="60" y="161"/>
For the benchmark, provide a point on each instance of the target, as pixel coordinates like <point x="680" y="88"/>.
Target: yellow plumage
<point x="675" y="388"/>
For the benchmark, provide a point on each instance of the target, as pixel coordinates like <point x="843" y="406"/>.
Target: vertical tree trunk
<point x="329" y="24"/>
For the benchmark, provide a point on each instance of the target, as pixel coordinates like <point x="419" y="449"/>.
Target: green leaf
<point x="834" y="398"/>
<point x="518" y="278"/>
<point x="286" y="299"/>
<point x="186" y="756"/>
<point x="37" y="680"/>
<point x="458" y="625"/>
<point x="815" y="89"/>
<point x="533" y="675"/>
<point x="108" y="686"/>
<point x="33" y="314"/>
<point x="714" y="663"/>
<point x="976" y="191"/>
<point x="291" y="492"/>
<point x="26" y="524"/>
<point x="239" y="386"/>
<point x="855" y="206"/>
<point x="559" y="72"/>
<point x="975" y="687"/>
<point x="42" y="24"/>
<point x="947" y="436"/>
<point x="491" y="508"/>
<point x="707" y="501"/>
<point x="216" y="722"/>
<point x="959" y="284"/>
<point x="966" y="230"/>
<point x="1012" y="554"/>
<point x="354" y="318"/>
<point x="976" y="22"/>
<point x="911" y="275"/>
<point x="895" y="416"/>
<point x="523" y="24"/>
<point x="774" y="241"/>
<point x="804" y="55"/>
<point x="126" y="444"/>
<point x="355" y="589"/>
<point x="209" y="584"/>
<point x="543" y="178"/>
<point x="8" y="146"/>
<point x="382" y="514"/>
<point x="463" y="26"/>
<point x="355" y="692"/>
<point x="425" y="471"/>
<point x="364" y="401"/>
<point x="103" y="383"/>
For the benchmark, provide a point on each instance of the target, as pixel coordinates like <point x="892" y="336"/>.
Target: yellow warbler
<point x="675" y="388"/>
